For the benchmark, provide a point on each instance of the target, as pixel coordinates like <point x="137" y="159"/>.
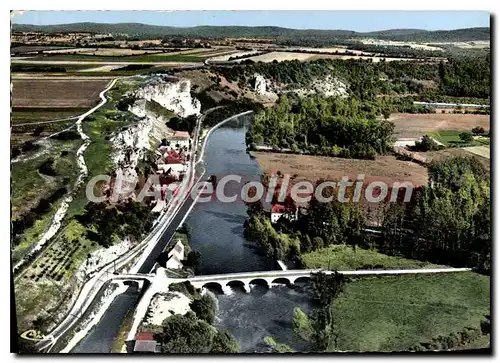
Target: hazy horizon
<point x="359" y="21"/>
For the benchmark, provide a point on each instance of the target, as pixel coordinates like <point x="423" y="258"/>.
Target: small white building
<point x="175" y="256"/>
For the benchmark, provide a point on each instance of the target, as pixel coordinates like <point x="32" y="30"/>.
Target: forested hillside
<point x="459" y="77"/>
<point x="280" y="34"/>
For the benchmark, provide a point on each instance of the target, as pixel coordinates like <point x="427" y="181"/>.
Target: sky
<point x="347" y="20"/>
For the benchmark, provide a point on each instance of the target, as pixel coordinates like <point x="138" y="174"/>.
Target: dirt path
<point x="63" y="208"/>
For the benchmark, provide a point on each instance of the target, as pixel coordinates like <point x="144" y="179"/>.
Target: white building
<point x="175" y="256"/>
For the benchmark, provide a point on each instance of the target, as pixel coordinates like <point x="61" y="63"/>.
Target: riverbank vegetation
<point x="344" y="257"/>
<point x="447" y="222"/>
<point x="322" y="126"/>
<point x="194" y="332"/>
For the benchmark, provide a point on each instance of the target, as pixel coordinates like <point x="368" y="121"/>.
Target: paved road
<point x="149" y="248"/>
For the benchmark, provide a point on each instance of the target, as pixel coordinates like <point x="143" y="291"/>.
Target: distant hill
<point x="145" y="30"/>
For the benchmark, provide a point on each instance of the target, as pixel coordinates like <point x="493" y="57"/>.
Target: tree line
<point x="457" y="77"/>
<point x="322" y="126"/>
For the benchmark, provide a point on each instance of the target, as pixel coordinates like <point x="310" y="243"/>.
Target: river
<point x="217" y="233"/>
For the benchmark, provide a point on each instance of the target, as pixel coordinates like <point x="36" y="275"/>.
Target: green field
<point x="452" y="138"/>
<point x="395" y="313"/>
<point x="341" y="257"/>
<point x="147" y="58"/>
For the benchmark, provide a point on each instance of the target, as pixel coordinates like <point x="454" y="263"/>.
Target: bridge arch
<point x="282" y="281"/>
<point x="260" y="282"/>
<point x="214" y="286"/>
<point x="302" y="280"/>
<point x="237" y="284"/>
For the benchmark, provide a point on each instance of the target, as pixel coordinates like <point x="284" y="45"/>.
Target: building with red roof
<point x="145" y="343"/>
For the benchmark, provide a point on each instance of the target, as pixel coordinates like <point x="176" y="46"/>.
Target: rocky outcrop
<point x="174" y="96"/>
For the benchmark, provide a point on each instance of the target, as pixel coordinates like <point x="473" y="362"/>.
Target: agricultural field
<point x="69" y="93"/>
<point x="283" y="56"/>
<point x="145" y="58"/>
<point x="312" y="168"/>
<point x="37" y="187"/>
<point x="483" y="151"/>
<point x="32" y="115"/>
<point x="451" y="138"/>
<point x="343" y="257"/>
<point x="409" y="125"/>
<point x="454" y="152"/>
<point x="394" y="313"/>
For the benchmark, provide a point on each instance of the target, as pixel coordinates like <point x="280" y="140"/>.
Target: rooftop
<point x="281" y="208"/>
<point x="180" y="135"/>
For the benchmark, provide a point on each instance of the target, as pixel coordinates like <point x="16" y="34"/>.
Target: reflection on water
<point x="216" y="227"/>
<point x="263" y="312"/>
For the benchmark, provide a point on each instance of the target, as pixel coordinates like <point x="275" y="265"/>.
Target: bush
<point x="204" y="308"/>
<point x="184" y="288"/>
<point x="224" y="342"/>
<point x="466" y="136"/>
<point x="478" y="130"/>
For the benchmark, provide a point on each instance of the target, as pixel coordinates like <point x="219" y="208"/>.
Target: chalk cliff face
<point x="131" y="144"/>
<point x="174" y="96"/>
<point x="261" y="84"/>
<point x="330" y="86"/>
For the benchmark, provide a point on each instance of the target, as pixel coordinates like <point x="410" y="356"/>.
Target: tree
<point x="427" y="143"/>
<point x="193" y="259"/>
<point x="466" y="136"/>
<point x="327" y="287"/>
<point x="204" y="308"/>
<point x="224" y="342"/>
<point x="185" y="334"/>
<point x="302" y="325"/>
<point x="478" y="130"/>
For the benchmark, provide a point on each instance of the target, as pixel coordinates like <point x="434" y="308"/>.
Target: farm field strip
<point x="483" y="151"/>
<point x="313" y="168"/>
<point x="409" y="125"/>
<point x="49" y="93"/>
<point x="395" y="313"/>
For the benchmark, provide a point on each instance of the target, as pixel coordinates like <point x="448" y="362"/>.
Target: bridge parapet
<point x="246" y="279"/>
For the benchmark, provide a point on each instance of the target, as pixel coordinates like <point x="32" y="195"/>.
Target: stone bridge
<point x="245" y="279"/>
<point x="266" y="278"/>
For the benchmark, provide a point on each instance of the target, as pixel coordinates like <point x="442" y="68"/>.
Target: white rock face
<point x="330" y="87"/>
<point x="173" y="96"/>
<point x="163" y="303"/>
<point x="261" y="84"/>
<point x="102" y="257"/>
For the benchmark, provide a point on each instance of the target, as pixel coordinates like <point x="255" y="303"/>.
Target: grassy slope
<point x="394" y="313"/>
<point x="340" y="257"/>
<point x="28" y="185"/>
<point x="70" y="247"/>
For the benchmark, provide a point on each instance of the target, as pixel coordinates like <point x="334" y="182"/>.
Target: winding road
<point x="146" y="251"/>
<point x="63" y="208"/>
